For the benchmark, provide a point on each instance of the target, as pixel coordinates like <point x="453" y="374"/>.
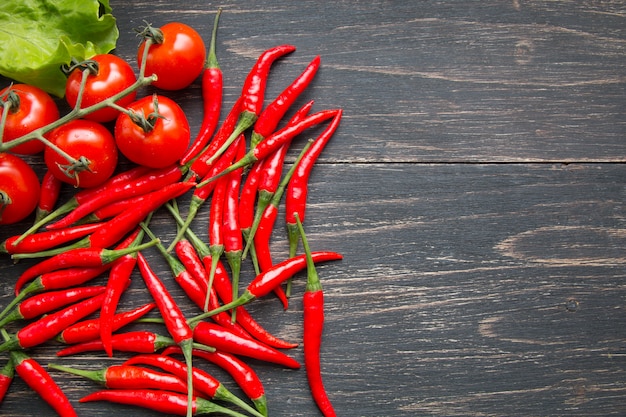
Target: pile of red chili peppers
<point x="105" y="231"/>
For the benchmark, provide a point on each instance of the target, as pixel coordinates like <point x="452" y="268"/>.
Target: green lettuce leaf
<point x="38" y="36"/>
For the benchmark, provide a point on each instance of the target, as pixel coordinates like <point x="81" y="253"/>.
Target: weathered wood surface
<point x="476" y="188"/>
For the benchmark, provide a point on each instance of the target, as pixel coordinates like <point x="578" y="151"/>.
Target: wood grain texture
<point x="476" y="189"/>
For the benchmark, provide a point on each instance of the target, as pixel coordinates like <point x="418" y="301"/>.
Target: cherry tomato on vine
<point x="82" y="138"/>
<point x="30" y="109"/>
<point x="177" y="55"/>
<point x="155" y="136"/>
<point x="113" y="75"/>
<point x="19" y="189"/>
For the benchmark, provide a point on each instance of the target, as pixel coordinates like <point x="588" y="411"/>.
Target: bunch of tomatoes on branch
<point x="235" y="165"/>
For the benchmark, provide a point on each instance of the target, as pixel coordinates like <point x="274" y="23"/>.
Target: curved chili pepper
<point x="89" y="330"/>
<point x="204" y="382"/>
<point x="253" y="93"/>
<point x="128" y="377"/>
<point x="201" y="194"/>
<point x="83" y="257"/>
<point x="247" y="202"/>
<point x="267" y="280"/>
<point x="270" y="117"/>
<point x="212" y="85"/>
<point x="297" y="190"/>
<point x="203" y="163"/>
<point x="231" y="231"/>
<point x="211" y="334"/>
<point x="313" y="306"/>
<point x="275" y="141"/>
<point x="85" y="195"/>
<point x="119" y="276"/>
<point x="140" y="341"/>
<point x="40" y="381"/>
<point x="6" y="378"/>
<point x="162" y="401"/>
<point x="173" y="317"/>
<point x="241" y="372"/>
<point x="48" y="195"/>
<point x="46" y="240"/>
<point x="153" y="180"/>
<point x="40" y="304"/>
<point x="224" y="290"/>
<point x="113" y="230"/>
<point x="49" y="326"/>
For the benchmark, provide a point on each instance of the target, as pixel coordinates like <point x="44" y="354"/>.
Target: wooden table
<point x="475" y="187"/>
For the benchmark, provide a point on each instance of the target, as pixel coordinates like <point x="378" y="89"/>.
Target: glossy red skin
<point x="36" y="109"/>
<point x="179" y="60"/>
<point x="162" y="146"/>
<point x="114" y="75"/>
<point x="20" y="183"/>
<point x="83" y="138"/>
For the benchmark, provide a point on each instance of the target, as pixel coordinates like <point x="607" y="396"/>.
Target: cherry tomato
<point x="19" y="189"/>
<point x="31" y="108"/>
<point x="164" y="138"/>
<point x="82" y="138"/>
<point x="178" y="60"/>
<point x="114" y="75"/>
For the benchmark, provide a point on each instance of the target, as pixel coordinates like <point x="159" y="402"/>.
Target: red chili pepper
<point x="212" y="85"/>
<point x="6" y="378"/>
<point x="245" y="377"/>
<point x="313" y="306"/>
<point x="216" y="237"/>
<point x="49" y="326"/>
<point x="271" y="189"/>
<point x="267" y="280"/>
<point x="119" y="276"/>
<point x="205" y="383"/>
<point x="44" y="303"/>
<point x="233" y="241"/>
<point x="297" y="190"/>
<point x="162" y="401"/>
<point x="40" y="381"/>
<point x="55" y="280"/>
<point x="212" y="334"/>
<point x="173" y="317"/>
<point x="153" y="180"/>
<point x="247" y="202"/>
<point x="268" y="183"/>
<point x="83" y="257"/>
<point x="128" y="377"/>
<point x="89" y="330"/>
<point x="85" y="195"/>
<point x="46" y="240"/>
<point x="270" y="117"/>
<point x="253" y="93"/>
<point x="48" y="195"/>
<point x="113" y="230"/>
<point x="203" y="163"/>
<point x="301" y="113"/>
<point x="201" y="194"/>
<point x="224" y="290"/>
<point x="140" y="341"/>
<point x="275" y="141"/>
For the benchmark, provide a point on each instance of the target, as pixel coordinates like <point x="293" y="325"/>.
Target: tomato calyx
<point x="150" y="32"/>
<point x="147" y="123"/>
<point x="75" y="167"/>
<point x="10" y="100"/>
<point x="88" y="64"/>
